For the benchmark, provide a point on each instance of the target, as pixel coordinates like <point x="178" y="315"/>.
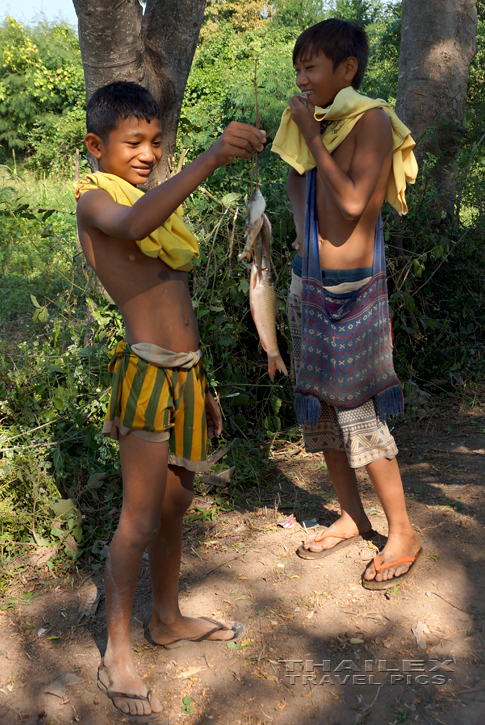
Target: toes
<point x="370" y="573"/>
<point x="155" y="704"/>
<point x="122" y="705"/>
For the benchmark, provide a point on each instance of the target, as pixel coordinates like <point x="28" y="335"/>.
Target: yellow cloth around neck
<point x="348" y="107"/>
<point x="173" y="242"/>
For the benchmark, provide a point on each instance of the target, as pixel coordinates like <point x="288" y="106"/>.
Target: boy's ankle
<point x="162" y="620"/>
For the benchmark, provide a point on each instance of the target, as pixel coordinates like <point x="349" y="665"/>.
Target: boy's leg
<point x="353" y="520"/>
<point x="167" y="623"/>
<point x="144" y="468"/>
<point x="402" y="540"/>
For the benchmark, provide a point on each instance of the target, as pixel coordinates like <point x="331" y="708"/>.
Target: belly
<point x="153" y="299"/>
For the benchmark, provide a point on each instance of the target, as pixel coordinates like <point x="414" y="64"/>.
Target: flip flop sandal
<point x="236" y="627"/>
<point x="389" y="583"/>
<point x="347" y="540"/>
<point x="111" y="694"/>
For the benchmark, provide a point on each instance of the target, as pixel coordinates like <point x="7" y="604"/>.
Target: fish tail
<point x="275" y="362"/>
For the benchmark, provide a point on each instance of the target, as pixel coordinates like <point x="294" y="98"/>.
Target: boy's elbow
<point x="353" y="211"/>
<point x="135" y="229"/>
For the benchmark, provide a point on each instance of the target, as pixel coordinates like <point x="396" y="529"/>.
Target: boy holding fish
<point x="348" y="153"/>
<point x="159" y="410"/>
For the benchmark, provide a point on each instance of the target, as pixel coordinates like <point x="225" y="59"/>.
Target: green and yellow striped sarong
<point x="159" y="403"/>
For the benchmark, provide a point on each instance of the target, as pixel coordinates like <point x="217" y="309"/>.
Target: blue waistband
<point x="332" y="277"/>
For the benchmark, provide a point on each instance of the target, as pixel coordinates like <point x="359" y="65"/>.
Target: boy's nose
<point x="146" y="153"/>
<point x="301" y="80"/>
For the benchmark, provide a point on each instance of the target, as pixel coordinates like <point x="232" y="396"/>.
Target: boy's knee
<point x="139" y="532"/>
<point x="178" y="503"/>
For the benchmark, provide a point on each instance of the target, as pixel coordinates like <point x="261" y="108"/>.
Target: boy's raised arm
<point x="99" y="210"/>
<point x="351" y="190"/>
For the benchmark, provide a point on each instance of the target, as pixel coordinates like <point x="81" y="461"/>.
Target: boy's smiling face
<point x="317" y="79"/>
<point x="132" y="151"/>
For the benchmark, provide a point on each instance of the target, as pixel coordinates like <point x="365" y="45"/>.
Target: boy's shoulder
<point x="374" y="127"/>
<point x="375" y="119"/>
<point x="108" y="187"/>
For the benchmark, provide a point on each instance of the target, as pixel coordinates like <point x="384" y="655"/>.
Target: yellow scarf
<point x="348" y="107"/>
<point x="172" y="242"/>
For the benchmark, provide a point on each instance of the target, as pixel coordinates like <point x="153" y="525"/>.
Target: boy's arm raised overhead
<point x="351" y="190"/>
<point x="97" y="209"/>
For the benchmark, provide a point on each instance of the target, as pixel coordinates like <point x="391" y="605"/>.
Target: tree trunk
<point x="120" y="42"/>
<point x="438" y="43"/>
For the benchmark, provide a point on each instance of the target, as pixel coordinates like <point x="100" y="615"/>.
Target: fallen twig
<point x="472" y="614"/>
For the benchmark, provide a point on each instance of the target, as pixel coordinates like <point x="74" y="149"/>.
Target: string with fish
<point x="263" y="302"/>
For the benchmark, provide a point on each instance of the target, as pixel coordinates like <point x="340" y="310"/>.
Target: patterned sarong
<point x="346" y="355"/>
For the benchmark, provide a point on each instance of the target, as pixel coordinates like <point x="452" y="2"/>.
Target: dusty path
<point x="355" y="654"/>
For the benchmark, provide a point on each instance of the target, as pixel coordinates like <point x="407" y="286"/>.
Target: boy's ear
<point x="350" y="67"/>
<point x="94" y="144"/>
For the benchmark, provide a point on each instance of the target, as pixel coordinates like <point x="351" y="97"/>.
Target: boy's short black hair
<point x="116" y="101"/>
<point x="338" y="40"/>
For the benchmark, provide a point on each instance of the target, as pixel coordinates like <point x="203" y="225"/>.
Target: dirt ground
<point x="415" y="653"/>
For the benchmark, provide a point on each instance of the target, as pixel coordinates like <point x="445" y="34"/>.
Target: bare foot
<point x="186" y="628"/>
<point x="397" y="546"/>
<point x="119" y="675"/>
<point x="345" y="525"/>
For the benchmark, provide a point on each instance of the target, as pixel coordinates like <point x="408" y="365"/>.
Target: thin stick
<point x="254" y="158"/>
<point x="256" y="90"/>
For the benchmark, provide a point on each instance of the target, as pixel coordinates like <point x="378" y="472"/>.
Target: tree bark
<point x="155" y="49"/>
<point x="438" y="43"/>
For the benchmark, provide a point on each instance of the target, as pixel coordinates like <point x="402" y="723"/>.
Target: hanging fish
<point x="262" y="294"/>
<point x="254" y="222"/>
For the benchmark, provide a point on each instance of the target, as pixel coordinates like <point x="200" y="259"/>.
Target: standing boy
<point x="160" y="410"/>
<point x="348" y="153"/>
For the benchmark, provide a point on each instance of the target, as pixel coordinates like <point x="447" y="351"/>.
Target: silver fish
<point x="262" y="298"/>
<point x="254" y="222"/>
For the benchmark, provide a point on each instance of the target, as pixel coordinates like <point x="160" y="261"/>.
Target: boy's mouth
<point x="143" y="170"/>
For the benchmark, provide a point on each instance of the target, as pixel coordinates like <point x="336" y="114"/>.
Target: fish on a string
<point x="263" y="301"/>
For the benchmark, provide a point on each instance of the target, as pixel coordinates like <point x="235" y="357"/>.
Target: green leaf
<point x="34" y="301"/>
<point x="231" y="645"/>
<point x="43" y="314"/>
<point x="57" y="532"/>
<point x="63" y="507"/>
<point x="244" y="286"/>
<point x="276" y="404"/>
<point x="96" y="480"/>
<point x="187" y="704"/>
<point x="229" y="199"/>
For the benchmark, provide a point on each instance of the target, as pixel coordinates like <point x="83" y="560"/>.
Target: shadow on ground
<point x="317" y="648"/>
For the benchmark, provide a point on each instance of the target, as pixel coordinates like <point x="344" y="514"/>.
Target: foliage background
<point x="59" y="478"/>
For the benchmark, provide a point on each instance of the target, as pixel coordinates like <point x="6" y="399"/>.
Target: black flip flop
<point x="236" y="627"/>
<point x="307" y="554"/>
<point x="111" y="694"/>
